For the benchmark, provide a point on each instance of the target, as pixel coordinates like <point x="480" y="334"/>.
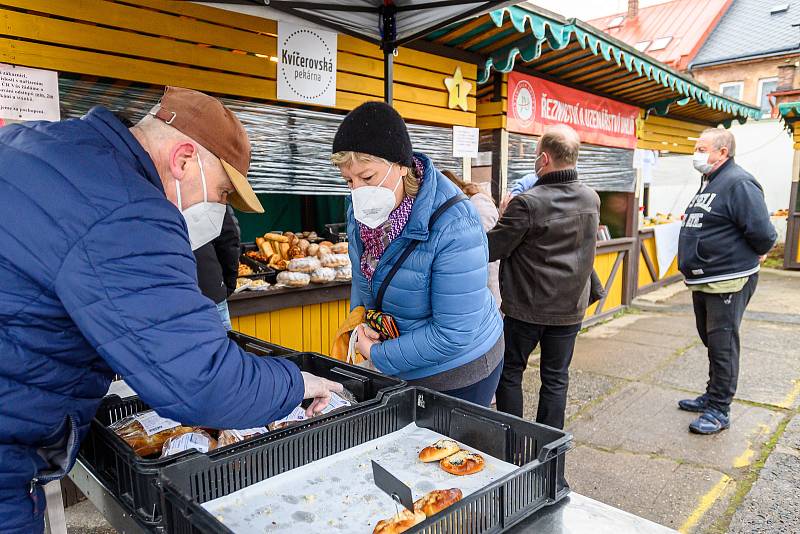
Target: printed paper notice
<point x="28" y="94"/>
<point x="465" y="142"/>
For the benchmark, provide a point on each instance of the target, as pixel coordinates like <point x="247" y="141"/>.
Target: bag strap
<point x="452" y="201"/>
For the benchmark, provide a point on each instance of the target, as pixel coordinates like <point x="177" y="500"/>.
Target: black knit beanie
<point x="375" y="128"/>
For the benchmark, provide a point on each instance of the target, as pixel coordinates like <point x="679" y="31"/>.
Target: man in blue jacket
<point x="726" y="232"/>
<point x="97" y="277"/>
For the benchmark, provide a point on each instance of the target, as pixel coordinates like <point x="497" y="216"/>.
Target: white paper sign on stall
<point x="306" y="65"/>
<point x="465" y="142"/>
<point x="28" y="94"/>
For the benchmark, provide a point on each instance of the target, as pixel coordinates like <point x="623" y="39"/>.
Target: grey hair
<point x="720" y="137"/>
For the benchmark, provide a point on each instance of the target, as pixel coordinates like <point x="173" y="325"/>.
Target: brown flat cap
<point x="206" y="120"/>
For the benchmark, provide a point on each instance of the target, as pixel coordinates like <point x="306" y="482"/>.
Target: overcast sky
<point x="589" y="9"/>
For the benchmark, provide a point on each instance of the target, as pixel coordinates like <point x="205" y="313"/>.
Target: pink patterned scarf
<point x="376" y="240"/>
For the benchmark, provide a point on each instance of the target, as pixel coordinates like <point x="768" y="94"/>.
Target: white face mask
<point x="700" y="162"/>
<point x="372" y="204"/>
<point x="204" y="219"/>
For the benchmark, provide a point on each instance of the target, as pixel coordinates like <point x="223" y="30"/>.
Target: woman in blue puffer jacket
<point x="450" y="332"/>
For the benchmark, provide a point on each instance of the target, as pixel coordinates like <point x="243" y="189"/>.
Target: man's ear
<point x="180" y="155"/>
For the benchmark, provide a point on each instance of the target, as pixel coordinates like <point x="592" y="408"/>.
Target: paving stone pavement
<point x="633" y="450"/>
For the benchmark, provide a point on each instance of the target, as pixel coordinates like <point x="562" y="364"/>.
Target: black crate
<point x="262" y="270"/>
<point x="132" y="478"/>
<point x="538" y="450"/>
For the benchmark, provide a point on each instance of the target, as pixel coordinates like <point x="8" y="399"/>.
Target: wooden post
<point x="499" y="164"/>
<point x="791" y="256"/>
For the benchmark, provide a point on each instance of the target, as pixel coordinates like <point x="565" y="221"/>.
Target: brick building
<point x="752" y="53"/>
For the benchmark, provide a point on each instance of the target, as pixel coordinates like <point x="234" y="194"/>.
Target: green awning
<point x="790" y="114"/>
<point x="496" y="38"/>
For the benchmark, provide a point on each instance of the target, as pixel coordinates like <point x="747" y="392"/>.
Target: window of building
<point x="642" y="46"/>
<point x="732" y="89"/>
<point x="779" y="8"/>
<point x="616" y="22"/>
<point x="660" y="43"/>
<point x="765" y="87"/>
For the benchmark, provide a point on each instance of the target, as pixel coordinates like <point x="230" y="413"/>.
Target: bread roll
<point x="303" y="244"/>
<point x="441" y="449"/>
<point x="326" y="244"/>
<point x="323" y="251"/>
<point x="295" y="252"/>
<point x="276" y="237"/>
<point x="340" y="248"/>
<point x="284" y="248"/>
<point x="312" y="250"/>
<point x="463" y="463"/>
<point x="437" y="500"/>
<point x="265" y="248"/>
<point x="399" y="523"/>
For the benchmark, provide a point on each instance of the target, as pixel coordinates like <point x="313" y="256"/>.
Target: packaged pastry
<point x="340" y="248"/>
<point x="147" y="431"/>
<point x="258" y="285"/>
<point x="335" y="260"/>
<point x="242" y="284"/>
<point x="229" y="437"/>
<point x="198" y="440"/>
<point x="323" y="275"/>
<point x="292" y="279"/>
<point x="344" y="273"/>
<point x="338" y="400"/>
<point x="304" y="265"/>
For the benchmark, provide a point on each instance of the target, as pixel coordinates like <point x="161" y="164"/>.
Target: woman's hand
<point x="367" y="337"/>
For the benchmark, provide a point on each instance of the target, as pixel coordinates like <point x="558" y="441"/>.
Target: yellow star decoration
<point x="459" y="90"/>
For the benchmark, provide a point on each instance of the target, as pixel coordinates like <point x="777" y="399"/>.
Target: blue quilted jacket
<point x="439" y="299"/>
<point x="97" y="276"/>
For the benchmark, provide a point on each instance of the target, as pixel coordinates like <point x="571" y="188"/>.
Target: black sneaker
<point x="698" y="405"/>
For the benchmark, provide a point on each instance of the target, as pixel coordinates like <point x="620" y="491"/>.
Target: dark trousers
<point x="718" y="318"/>
<point x="481" y="391"/>
<point x="558" y="343"/>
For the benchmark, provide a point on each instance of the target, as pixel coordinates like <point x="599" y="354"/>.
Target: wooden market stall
<point x="790" y="114"/>
<point x="556" y="56"/>
<point x="120" y="53"/>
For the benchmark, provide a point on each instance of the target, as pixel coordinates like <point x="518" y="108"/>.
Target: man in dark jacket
<point x="546" y="240"/>
<point x="97" y="277"/>
<point x="725" y="233"/>
<point x="218" y="266"/>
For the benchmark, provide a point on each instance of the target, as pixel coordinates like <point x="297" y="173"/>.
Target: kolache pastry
<point x="439" y="450"/>
<point x="437" y="500"/>
<point x="462" y="463"/>
<point x="399" y="523"/>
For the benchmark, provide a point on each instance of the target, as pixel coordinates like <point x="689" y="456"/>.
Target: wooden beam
<point x="610" y="283"/>
<point x="651" y="268"/>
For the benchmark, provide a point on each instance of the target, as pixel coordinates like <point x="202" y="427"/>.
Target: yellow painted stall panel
<point x="309" y="328"/>
<point x="163" y="42"/>
<point x="661" y="133"/>
<point x="644" y="274"/>
<point x="603" y="265"/>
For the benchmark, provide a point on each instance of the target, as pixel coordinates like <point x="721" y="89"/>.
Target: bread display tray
<point x="524" y="472"/>
<point x="133" y="479"/>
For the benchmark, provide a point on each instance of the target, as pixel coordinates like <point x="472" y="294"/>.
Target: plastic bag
<point x="146" y="432"/>
<point x="198" y="440"/>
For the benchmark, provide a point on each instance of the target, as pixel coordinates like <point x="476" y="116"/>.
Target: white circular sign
<point x="307" y="64"/>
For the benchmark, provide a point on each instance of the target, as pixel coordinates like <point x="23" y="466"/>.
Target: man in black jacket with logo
<point x="726" y="232"/>
<point x="218" y="266"/>
<point x="546" y="242"/>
